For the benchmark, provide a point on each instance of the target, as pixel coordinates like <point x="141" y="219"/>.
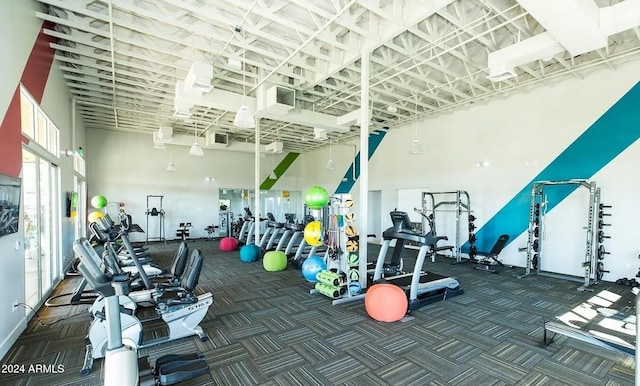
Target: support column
<point x="364" y="164"/>
<point x="256" y="184"/>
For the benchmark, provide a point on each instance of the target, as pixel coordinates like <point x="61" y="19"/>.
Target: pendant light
<point x="171" y="167"/>
<point x="416" y="146"/>
<point x="330" y="164"/>
<point x="244" y="117"/>
<point x="196" y="150"/>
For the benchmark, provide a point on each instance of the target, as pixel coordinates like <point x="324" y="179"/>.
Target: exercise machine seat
<point x="192" y="274"/>
<point x="179" y="263"/>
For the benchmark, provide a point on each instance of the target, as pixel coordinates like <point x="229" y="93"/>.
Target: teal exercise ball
<point x="274" y="261"/>
<point x="249" y="253"/>
<point x="311" y="267"/>
<point x="98" y="201"/>
<point x="316" y="197"/>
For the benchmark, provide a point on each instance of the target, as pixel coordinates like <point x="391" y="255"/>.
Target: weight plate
<point x="599" y="270"/>
<point x="352" y="245"/>
<point x="350" y="217"/>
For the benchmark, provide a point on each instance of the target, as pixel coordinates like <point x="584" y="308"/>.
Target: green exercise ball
<point x="98" y="201"/>
<point x="316" y="197"/>
<point x="274" y="261"/>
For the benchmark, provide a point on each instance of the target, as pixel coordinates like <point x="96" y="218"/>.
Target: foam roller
<point x="329" y="290"/>
<point x="330" y="278"/>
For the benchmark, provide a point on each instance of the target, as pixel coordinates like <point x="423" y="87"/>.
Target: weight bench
<point x="491" y="258"/>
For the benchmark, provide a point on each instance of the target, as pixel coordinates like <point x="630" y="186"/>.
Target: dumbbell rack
<point x="345" y="259"/>
<point x="593" y="268"/>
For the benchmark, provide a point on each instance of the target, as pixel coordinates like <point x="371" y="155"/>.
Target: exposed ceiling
<point x="122" y="58"/>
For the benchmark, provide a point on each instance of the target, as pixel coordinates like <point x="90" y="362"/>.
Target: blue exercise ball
<point x="311" y="267"/>
<point x="249" y="253"/>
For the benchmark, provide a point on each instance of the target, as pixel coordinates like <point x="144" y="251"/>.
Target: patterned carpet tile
<point x="316" y="350"/>
<point x="276" y="362"/>
<point x="404" y="372"/>
<point x="341" y="369"/>
<point x="265" y="328"/>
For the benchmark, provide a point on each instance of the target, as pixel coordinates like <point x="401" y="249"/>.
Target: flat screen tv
<point x="9" y="204"/>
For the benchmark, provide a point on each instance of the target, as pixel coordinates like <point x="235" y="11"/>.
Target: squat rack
<point x="537" y="211"/>
<point x="461" y="204"/>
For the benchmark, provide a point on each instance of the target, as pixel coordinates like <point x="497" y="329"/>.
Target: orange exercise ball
<point x="386" y="302"/>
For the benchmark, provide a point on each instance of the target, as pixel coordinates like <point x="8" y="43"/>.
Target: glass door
<point x="41" y="235"/>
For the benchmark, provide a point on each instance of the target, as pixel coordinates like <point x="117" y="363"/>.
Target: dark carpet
<point x="265" y="328"/>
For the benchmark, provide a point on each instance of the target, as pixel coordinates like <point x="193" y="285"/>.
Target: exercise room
<point x="331" y="192"/>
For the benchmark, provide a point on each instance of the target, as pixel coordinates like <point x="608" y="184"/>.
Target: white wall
<point x="519" y="135"/>
<point x="19" y="28"/>
<point x="125" y="167"/>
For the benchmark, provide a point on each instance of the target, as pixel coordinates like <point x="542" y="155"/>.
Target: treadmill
<point x="421" y="287"/>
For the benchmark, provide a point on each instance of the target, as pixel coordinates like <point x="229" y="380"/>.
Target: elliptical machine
<point x="122" y="366"/>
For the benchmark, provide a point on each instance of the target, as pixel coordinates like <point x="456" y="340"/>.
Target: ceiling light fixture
<point x="196" y="149"/>
<point x="244" y="117"/>
<point x="416" y="146"/>
<point x="330" y="164"/>
<point x="171" y="167"/>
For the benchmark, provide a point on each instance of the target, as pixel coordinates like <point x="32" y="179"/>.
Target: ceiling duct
<point x="216" y="139"/>
<point x="319" y="133"/>
<point x="199" y="77"/>
<point x="158" y="143"/>
<point x="620" y="17"/>
<point x="165" y="134"/>
<point x="274" y="147"/>
<point x="573" y="23"/>
<point x="502" y="62"/>
<point x="181" y="106"/>
<point x="275" y="99"/>
<point x="577" y="26"/>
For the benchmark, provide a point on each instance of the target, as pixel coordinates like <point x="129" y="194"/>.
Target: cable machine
<point x="153" y="211"/>
<point x="593" y="269"/>
<point x="461" y="207"/>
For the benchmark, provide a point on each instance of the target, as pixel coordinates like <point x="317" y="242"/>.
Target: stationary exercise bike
<point x="181" y="315"/>
<point x="122" y="366"/>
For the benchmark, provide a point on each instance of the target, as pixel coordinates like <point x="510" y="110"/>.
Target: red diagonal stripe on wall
<point x="34" y="78"/>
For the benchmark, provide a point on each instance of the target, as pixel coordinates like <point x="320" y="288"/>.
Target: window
<point x="37" y="126"/>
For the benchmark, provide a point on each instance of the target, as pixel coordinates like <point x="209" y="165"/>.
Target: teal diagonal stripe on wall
<point x="348" y="181"/>
<point x="603" y="141"/>
<point x="282" y="167"/>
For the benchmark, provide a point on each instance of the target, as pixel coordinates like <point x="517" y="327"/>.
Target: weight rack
<point x="461" y="205"/>
<point x="592" y="270"/>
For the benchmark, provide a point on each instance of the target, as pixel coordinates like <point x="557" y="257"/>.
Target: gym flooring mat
<point x="265" y="328"/>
